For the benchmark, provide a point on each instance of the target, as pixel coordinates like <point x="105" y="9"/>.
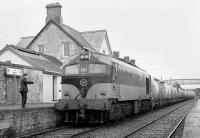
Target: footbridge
<point x="187" y="84"/>
<point x="184" y="81"/>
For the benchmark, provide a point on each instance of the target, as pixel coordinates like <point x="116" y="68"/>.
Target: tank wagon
<point x="97" y="88"/>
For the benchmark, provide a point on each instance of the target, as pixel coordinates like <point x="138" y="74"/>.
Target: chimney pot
<point x="116" y="54"/>
<point x="132" y="61"/>
<point x="54" y="12"/>
<point x="126" y="59"/>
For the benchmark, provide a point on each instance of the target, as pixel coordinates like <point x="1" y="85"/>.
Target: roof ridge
<point x="103" y="30"/>
<point x="24" y="49"/>
<point x="70" y="27"/>
<point x="81" y="36"/>
<point x="27" y="37"/>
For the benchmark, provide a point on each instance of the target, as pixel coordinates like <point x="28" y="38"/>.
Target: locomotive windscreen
<point x="73" y="69"/>
<point x="91" y="69"/>
<point x="97" y="68"/>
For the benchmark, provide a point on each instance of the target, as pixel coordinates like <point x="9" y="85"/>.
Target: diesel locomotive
<point x="97" y="88"/>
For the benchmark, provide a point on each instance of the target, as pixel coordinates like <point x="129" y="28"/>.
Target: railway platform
<point x="16" y="121"/>
<point x="192" y="122"/>
<point x="28" y="106"/>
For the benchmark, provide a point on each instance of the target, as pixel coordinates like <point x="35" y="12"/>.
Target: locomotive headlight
<point x="82" y="57"/>
<point x="86" y="57"/>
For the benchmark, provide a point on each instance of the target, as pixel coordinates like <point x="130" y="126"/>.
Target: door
<point x="147" y="85"/>
<point x="55" y="88"/>
<point x="115" y="79"/>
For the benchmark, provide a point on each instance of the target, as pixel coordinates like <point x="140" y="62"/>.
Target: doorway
<point x="55" y="96"/>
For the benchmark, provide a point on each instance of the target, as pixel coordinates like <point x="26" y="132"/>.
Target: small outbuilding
<point x="44" y="69"/>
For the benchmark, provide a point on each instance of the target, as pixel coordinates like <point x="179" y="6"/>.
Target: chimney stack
<point x="54" y="12"/>
<point x="116" y="54"/>
<point x="126" y="59"/>
<point x="132" y="61"/>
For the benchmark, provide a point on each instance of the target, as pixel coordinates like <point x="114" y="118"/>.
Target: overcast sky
<point x="161" y="35"/>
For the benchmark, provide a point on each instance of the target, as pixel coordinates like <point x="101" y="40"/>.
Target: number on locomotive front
<point x="91" y="69"/>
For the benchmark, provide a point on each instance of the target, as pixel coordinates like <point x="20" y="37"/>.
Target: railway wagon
<point x="97" y="88"/>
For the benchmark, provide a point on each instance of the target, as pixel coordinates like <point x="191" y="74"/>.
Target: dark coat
<point x="23" y="85"/>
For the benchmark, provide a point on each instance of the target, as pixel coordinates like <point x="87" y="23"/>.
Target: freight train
<point x="97" y="88"/>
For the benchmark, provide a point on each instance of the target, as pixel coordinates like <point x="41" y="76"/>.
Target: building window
<point x="66" y="46"/>
<point x="41" y="48"/>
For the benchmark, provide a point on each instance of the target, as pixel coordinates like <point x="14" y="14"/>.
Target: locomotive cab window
<point x="73" y="69"/>
<point x="115" y="70"/>
<point x="147" y="85"/>
<point x="97" y="68"/>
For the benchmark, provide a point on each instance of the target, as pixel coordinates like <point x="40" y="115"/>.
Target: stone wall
<point x="2" y="87"/>
<point x="10" y="85"/>
<point x="21" y="122"/>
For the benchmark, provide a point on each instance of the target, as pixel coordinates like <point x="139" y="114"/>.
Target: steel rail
<point x="87" y="131"/>
<point x="43" y="132"/>
<point x="64" y="134"/>
<point x="140" y="128"/>
<point x="178" y="124"/>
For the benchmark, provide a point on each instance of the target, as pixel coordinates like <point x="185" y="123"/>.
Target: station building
<point x="43" y="69"/>
<point x="42" y="55"/>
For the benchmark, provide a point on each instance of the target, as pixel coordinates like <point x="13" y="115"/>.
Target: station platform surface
<point x="192" y="122"/>
<point x="28" y="105"/>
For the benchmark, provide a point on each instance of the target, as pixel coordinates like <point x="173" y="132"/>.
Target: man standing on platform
<point x="24" y="89"/>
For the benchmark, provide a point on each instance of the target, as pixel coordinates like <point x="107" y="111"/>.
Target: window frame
<point x="63" y="45"/>
<point x="40" y="48"/>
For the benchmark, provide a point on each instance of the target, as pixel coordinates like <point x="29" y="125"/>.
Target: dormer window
<point x="66" y="46"/>
<point x="40" y="48"/>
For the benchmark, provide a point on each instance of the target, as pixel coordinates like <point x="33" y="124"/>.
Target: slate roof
<point x="91" y="40"/>
<point x="95" y="38"/>
<point x="24" y="41"/>
<point x="72" y="33"/>
<point x="46" y="62"/>
<point x="78" y="37"/>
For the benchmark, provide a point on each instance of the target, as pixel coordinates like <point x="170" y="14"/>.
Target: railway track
<point x="138" y="126"/>
<point x="165" y="126"/>
<point x="123" y="128"/>
<point x="86" y="133"/>
<point x="173" y="131"/>
<point x="63" y="132"/>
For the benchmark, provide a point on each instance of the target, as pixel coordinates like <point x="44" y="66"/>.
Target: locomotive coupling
<point x="82" y="114"/>
<point x="82" y="104"/>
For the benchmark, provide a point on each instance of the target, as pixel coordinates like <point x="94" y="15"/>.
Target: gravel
<point x="122" y="128"/>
